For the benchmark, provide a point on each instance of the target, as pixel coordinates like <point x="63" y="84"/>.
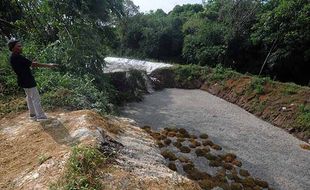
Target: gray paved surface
<point x="265" y="150"/>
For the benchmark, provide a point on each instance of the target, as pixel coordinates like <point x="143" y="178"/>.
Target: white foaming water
<point x="115" y="64"/>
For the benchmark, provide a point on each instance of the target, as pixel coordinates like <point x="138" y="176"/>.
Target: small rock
<point x="168" y="155"/>
<point x="261" y="183"/>
<point x="305" y="146"/>
<point x="291" y="130"/>
<point x="167" y="142"/>
<point x="185" y="149"/>
<point x="244" y="173"/>
<point x="210" y="156"/>
<point x="160" y="144"/>
<point x="248" y="182"/>
<point x="237" y="163"/>
<point x="207" y="143"/>
<point x="216" y="147"/>
<point x="177" y="144"/>
<point x="183" y="159"/>
<point x="215" y="163"/>
<point x="193" y="137"/>
<point x="227" y="166"/>
<point x="204" y="136"/>
<point x="172" y="166"/>
<point x="217" y="188"/>
<point x="188" y="167"/>
<point x="146" y="127"/>
<point x="236" y="186"/>
<point x="180" y="140"/>
<point x="230" y="157"/>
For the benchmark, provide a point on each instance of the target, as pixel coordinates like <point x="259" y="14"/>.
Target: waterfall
<point x="148" y="83"/>
<point x="115" y="64"/>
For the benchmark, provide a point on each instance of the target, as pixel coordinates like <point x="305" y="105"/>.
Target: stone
<point x="244" y="173"/>
<point x="172" y="166"/>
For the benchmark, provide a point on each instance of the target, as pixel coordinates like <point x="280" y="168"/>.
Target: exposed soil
<point x="33" y="155"/>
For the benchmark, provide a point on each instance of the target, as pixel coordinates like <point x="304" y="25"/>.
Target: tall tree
<point x="283" y="32"/>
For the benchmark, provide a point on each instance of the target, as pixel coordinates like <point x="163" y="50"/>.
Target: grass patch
<point x="290" y="89"/>
<point x="257" y="85"/>
<point x="13" y="104"/>
<point x="303" y="118"/>
<point x="82" y="170"/>
<point x="219" y="73"/>
<point x="189" y="72"/>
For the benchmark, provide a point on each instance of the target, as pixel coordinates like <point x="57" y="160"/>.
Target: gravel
<point x="266" y="151"/>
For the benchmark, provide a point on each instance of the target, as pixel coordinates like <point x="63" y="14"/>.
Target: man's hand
<point x="50" y="65"/>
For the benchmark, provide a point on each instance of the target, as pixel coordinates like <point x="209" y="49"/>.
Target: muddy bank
<point x="283" y="105"/>
<point x="268" y="152"/>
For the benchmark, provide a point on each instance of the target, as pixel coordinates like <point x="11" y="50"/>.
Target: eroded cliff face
<point x="33" y="155"/>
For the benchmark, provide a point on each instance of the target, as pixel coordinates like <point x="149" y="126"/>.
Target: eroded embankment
<point x="284" y="105"/>
<point x="37" y="155"/>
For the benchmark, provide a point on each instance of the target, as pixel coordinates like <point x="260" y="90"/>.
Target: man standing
<point x="25" y="79"/>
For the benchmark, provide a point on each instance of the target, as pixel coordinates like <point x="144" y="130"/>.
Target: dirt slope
<point x="33" y="155"/>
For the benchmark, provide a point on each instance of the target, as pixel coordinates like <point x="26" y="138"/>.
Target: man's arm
<point x="36" y="64"/>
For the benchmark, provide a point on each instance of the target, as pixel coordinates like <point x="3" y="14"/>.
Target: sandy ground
<point x="266" y="151"/>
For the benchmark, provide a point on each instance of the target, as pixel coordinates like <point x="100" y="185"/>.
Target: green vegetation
<point x="290" y="89"/>
<point x="189" y="72"/>
<point x="185" y="73"/>
<point x="72" y="34"/>
<point x="220" y="73"/>
<point x="82" y="170"/>
<point x="248" y="36"/>
<point x="304" y="118"/>
<point x="8" y="83"/>
<point x="67" y="91"/>
<point x="257" y="85"/>
<point x="77" y="35"/>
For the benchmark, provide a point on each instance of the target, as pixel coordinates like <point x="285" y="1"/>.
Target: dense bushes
<point x="8" y="85"/>
<point x="77" y="35"/>
<point x="72" y="92"/>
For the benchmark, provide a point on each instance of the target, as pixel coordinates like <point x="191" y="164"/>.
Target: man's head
<point x="15" y="46"/>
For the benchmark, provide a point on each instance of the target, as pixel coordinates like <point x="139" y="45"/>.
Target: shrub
<point x="189" y="72"/>
<point x="71" y="92"/>
<point x="8" y="84"/>
<point x="257" y="84"/>
<point x="220" y="73"/>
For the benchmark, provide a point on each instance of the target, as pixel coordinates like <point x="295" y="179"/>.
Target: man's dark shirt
<point x="21" y="67"/>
